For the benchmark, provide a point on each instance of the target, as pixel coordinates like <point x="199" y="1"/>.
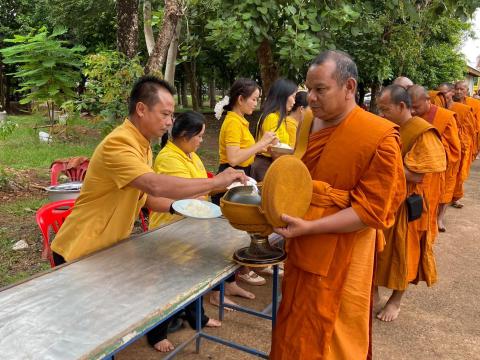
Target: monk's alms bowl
<point x="241" y="206"/>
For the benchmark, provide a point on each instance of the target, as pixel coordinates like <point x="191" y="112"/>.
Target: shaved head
<point x="397" y="95"/>
<point x="461" y="83"/>
<point x="445" y="86"/>
<point x="418" y="92"/>
<point x="403" y="82"/>
<point x="420" y="100"/>
<point x="461" y="91"/>
<point x="345" y="67"/>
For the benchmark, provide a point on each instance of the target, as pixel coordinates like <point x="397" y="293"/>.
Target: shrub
<point x="110" y="76"/>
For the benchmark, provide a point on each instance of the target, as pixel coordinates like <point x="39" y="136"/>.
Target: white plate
<point x="198" y="209"/>
<point x="282" y="149"/>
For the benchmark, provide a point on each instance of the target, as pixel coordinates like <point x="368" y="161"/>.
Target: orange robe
<point x="325" y="309"/>
<point x="442" y="185"/>
<point x="475" y="104"/>
<point x="467" y="132"/>
<point x="407" y="253"/>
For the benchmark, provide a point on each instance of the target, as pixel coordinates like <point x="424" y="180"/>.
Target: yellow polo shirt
<point x="107" y="207"/>
<point x="171" y="160"/>
<point x="292" y="126"/>
<point x="270" y="123"/>
<point x="235" y="132"/>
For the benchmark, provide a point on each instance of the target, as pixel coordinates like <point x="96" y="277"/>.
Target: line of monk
<point x="381" y="189"/>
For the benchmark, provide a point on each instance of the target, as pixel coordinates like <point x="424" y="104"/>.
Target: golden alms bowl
<point x="241" y="205"/>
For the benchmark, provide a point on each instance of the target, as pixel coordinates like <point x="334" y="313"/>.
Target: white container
<point x="65" y="191"/>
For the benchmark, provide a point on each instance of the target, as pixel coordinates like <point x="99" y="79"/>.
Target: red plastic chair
<point x="74" y="174"/>
<point x="143" y="219"/>
<point x="210" y="174"/>
<point x="52" y="216"/>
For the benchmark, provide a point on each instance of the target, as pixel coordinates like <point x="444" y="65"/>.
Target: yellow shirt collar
<point x="238" y="117"/>
<point x="142" y="140"/>
<point x="171" y="146"/>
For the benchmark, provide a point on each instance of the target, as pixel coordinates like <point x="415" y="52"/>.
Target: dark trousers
<point x="159" y="332"/>
<point x="58" y="259"/>
<point x="216" y="198"/>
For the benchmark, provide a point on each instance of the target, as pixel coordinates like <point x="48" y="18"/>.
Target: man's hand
<point x="227" y="177"/>
<point x="295" y="227"/>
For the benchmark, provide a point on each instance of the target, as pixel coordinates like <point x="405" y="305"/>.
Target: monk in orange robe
<point x="355" y="162"/>
<point x="441" y="185"/>
<point x="467" y="132"/>
<point x="408" y="249"/>
<point x="461" y="95"/>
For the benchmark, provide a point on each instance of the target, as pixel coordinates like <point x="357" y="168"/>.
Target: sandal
<point x="269" y="271"/>
<point x="252" y="278"/>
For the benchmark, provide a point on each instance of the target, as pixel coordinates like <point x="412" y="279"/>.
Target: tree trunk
<point x="172" y="56"/>
<point x="127" y="22"/>
<point x="147" y="26"/>
<point x="192" y="79"/>
<point x="373" y="100"/>
<point x="211" y="92"/>
<point x="268" y="68"/>
<point x="172" y="13"/>
<point x="200" y="92"/>
<point x="2" y="87"/>
<point x="183" y="93"/>
<point x="361" y="94"/>
<point x="179" y="92"/>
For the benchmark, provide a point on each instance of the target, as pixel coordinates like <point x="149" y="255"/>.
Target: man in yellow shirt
<point x="120" y="179"/>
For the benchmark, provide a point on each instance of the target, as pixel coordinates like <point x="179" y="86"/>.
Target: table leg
<point x="274" y="295"/>
<point x="198" y="320"/>
<point x="221" y="309"/>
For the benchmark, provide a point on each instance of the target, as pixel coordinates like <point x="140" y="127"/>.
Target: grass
<point x="23" y="206"/>
<point x="23" y="149"/>
<point x="20" y="151"/>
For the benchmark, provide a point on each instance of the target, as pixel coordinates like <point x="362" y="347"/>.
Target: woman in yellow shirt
<point x="295" y="118"/>
<point x="279" y="102"/>
<point x="178" y="158"/>
<point x="237" y="146"/>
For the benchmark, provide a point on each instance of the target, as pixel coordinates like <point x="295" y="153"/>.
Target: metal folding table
<point x="94" y="307"/>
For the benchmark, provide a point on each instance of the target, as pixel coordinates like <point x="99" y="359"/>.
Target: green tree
<point x="283" y="36"/>
<point x="110" y="75"/>
<point x="47" y="69"/>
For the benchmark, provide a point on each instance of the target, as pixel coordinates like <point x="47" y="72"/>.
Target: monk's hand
<point x="295" y="227"/>
<point x="227" y="177"/>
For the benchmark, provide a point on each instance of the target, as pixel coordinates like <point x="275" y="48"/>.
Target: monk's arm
<point x="413" y="177"/>
<point x="172" y="187"/>
<point x="344" y="221"/>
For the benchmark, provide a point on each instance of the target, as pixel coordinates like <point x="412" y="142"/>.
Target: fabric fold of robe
<point x="440" y="184"/>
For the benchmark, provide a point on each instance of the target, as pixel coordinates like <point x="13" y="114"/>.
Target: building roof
<point x="472" y="71"/>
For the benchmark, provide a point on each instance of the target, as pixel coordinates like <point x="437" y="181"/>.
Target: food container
<point x="65" y="191"/>
<point x="287" y="189"/>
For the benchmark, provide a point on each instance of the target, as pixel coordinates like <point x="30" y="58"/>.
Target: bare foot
<point x="213" y="323"/>
<point x="234" y="290"/>
<point x="389" y="312"/>
<point x="164" y="346"/>
<point x="215" y="300"/>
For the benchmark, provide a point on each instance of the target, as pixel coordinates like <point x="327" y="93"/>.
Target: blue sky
<point x="471" y="46"/>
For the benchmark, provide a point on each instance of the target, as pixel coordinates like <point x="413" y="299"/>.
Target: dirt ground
<point x="441" y="322"/>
